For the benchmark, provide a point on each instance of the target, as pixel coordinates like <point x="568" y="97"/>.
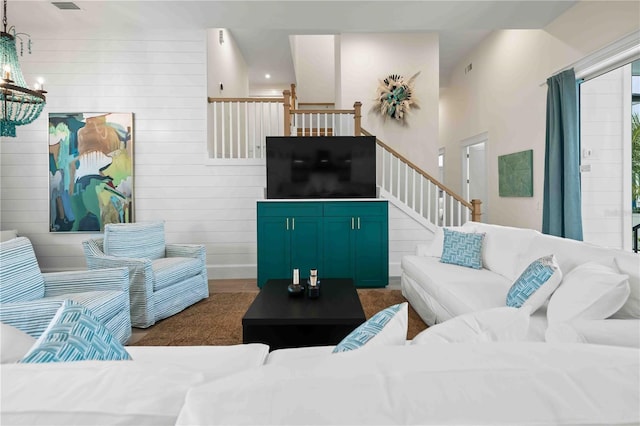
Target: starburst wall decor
<point x="395" y="96"/>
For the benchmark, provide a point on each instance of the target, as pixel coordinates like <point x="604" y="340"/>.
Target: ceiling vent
<point x="65" y="5"/>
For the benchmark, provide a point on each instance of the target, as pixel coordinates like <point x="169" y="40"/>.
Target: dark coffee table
<point x="283" y="321"/>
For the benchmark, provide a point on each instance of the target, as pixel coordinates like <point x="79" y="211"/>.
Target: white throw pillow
<point x="387" y="327"/>
<point x="536" y="284"/>
<point x="629" y="264"/>
<point x="437" y="244"/>
<point x="14" y="343"/>
<point x="591" y="291"/>
<point x="491" y="325"/>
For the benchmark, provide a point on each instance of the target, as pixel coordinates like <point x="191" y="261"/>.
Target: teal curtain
<point x="561" y="210"/>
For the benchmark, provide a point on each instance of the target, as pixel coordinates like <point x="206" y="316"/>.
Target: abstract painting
<point x="515" y="174"/>
<point x="90" y="170"/>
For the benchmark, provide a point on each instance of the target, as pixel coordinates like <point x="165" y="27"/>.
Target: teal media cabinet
<point x="342" y="239"/>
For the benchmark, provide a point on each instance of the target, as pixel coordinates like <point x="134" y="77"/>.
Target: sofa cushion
<point x="22" y="279"/>
<point x="75" y="334"/>
<point x="491" y="325"/>
<point x="591" y="291"/>
<point x="502" y="248"/>
<point x="135" y="240"/>
<point x="170" y="270"/>
<point x="14" y="343"/>
<point x="387" y="327"/>
<point x="435" y="248"/>
<point x="536" y="284"/>
<point x="461" y="248"/>
<point x="613" y="332"/>
<point x="104" y="304"/>
<point x="458" y="290"/>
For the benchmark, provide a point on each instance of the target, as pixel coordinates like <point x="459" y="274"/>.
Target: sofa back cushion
<point x="502" y="247"/>
<point x="135" y="240"/>
<point x="570" y="253"/>
<point x="22" y="279"/>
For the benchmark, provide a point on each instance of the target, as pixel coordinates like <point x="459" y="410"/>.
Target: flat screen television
<point x="321" y="167"/>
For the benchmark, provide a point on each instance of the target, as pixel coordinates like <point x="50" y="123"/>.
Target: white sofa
<point x="440" y="291"/>
<point x="390" y="382"/>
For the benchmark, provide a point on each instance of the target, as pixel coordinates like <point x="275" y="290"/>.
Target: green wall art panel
<point x="90" y="171"/>
<point x="515" y="174"/>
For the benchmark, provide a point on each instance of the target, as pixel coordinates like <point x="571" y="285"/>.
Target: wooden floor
<point x="232" y="285"/>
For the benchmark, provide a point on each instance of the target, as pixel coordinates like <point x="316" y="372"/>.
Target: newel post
<point x="294" y="96"/>
<point x="475" y="210"/>
<point x="287" y="112"/>
<point x="356" y="117"/>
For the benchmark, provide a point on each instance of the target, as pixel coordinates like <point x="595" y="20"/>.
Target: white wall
<point x="162" y="78"/>
<point x="504" y="95"/>
<point x="226" y="65"/>
<point x="602" y="127"/>
<point x="314" y="63"/>
<point x="367" y="58"/>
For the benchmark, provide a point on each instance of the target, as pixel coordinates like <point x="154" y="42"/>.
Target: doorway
<point x="474" y="171"/>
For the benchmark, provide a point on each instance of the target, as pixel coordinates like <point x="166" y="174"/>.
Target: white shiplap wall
<point x="161" y="78"/>
<point x="602" y="125"/>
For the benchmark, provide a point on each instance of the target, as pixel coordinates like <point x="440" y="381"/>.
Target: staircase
<point x="239" y="127"/>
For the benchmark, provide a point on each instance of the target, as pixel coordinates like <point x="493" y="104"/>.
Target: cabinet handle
<point x="352" y="226"/>
<point x="287" y="224"/>
<point x="358" y="223"/>
<point x="293" y="223"/>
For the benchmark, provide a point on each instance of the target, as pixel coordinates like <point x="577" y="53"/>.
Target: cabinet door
<point x="274" y="249"/>
<point x="372" y="251"/>
<point x="338" y="248"/>
<point x="306" y="245"/>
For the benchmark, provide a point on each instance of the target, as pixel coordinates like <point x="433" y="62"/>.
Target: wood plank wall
<point x="161" y="78"/>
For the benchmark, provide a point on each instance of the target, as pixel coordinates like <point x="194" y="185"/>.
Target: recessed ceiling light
<point x="267" y="76"/>
<point x="65" y="5"/>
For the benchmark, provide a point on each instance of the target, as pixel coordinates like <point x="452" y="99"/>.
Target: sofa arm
<point x="613" y="332"/>
<point x="32" y="316"/>
<point x="196" y="251"/>
<point x="61" y="283"/>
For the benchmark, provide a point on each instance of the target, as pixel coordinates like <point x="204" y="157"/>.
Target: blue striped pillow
<point x="461" y="248"/>
<point x="387" y="327"/>
<point x="136" y="240"/>
<point x="75" y="334"/>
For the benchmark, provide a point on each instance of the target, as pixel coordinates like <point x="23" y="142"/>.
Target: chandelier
<point x="20" y="105"/>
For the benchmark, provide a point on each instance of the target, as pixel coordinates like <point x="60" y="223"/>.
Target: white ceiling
<point x="261" y="28"/>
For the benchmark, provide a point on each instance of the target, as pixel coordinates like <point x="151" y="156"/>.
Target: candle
<point x="7" y="72"/>
<point x="313" y="277"/>
<point x="296" y="276"/>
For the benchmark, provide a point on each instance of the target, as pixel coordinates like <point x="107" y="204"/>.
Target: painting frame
<point x="515" y="174"/>
<point x="91" y="170"/>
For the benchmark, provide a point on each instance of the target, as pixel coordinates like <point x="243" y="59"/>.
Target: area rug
<point x="218" y="319"/>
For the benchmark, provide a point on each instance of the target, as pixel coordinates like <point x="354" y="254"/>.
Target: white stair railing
<point x="239" y="126"/>
<point x="418" y="191"/>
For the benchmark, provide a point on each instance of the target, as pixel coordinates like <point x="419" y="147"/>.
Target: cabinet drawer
<point x="356" y="208"/>
<point x="286" y="209"/>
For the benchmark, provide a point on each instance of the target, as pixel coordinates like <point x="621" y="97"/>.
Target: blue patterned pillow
<point x="461" y="248"/>
<point x="536" y="284"/>
<point x="387" y="327"/>
<point x="75" y="334"/>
